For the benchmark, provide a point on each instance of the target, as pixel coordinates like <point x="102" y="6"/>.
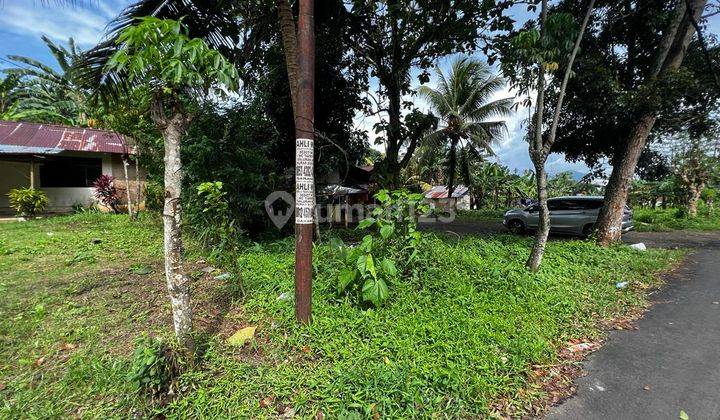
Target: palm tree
<point x="52" y="95"/>
<point x="463" y="104"/>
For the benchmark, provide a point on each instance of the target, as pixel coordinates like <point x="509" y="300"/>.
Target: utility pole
<point x="304" y="155"/>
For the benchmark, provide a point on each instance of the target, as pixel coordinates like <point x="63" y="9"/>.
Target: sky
<point x="23" y="22"/>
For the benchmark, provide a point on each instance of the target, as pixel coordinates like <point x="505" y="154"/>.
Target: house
<point x="61" y="161"/>
<point x="437" y="197"/>
<point x="344" y="198"/>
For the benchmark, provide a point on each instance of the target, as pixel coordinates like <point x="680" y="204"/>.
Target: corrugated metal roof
<point x="9" y="149"/>
<point x="441" y="191"/>
<point x="335" y="190"/>
<point x="51" y="137"/>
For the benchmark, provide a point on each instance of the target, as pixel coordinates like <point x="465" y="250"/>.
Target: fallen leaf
<point x="684" y="415"/>
<point x="2" y="386"/>
<point x="266" y="402"/>
<point x="575" y="348"/>
<point x="39" y="361"/>
<point x="242" y="336"/>
<point x="305" y="349"/>
<point x="209" y="269"/>
<point x="141" y="270"/>
<point x="68" y="346"/>
<point x="320" y="416"/>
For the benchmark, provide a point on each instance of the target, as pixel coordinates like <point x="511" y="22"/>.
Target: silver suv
<point x="575" y="215"/>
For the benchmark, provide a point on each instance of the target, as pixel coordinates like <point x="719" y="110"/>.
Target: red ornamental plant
<point x="106" y="193"/>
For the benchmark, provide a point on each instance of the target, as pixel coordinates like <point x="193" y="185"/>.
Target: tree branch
<point x="566" y="77"/>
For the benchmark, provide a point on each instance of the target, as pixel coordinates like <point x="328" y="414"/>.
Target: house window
<point x="70" y="172"/>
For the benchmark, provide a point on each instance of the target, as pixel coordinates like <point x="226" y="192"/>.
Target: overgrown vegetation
<point x="659" y="220"/>
<point x="458" y="335"/>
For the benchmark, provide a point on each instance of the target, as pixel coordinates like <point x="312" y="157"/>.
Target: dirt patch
<point x="136" y="303"/>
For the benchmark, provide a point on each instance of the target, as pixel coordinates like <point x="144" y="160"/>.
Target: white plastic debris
<point x="639" y="247"/>
<point x="223" y="276"/>
<point x="284" y="296"/>
<point x="621" y="285"/>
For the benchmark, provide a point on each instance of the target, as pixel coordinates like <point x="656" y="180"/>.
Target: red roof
<point x="61" y="137"/>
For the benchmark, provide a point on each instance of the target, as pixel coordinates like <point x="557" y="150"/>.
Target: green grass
<point x="483" y="215"/>
<point x="459" y="336"/>
<point x="659" y="220"/>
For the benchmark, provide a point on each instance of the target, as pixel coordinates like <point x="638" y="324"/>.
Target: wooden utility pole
<point x="304" y="155"/>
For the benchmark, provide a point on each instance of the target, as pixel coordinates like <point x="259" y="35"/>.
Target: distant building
<point x="61" y="161"/>
<point x="437" y="197"/>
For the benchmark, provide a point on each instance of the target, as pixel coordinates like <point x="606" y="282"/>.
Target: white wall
<point x="17" y="175"/>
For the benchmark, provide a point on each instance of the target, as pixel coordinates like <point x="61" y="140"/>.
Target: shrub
<point x="27" y="201"/>
<point x="154" y="366"/>
<point x="106" y="193"/>
<point x="154" y="196"/>
<point x="213" y="224"/>
<point x="372" y="265"/>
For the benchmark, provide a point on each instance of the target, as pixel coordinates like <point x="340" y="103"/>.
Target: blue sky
<point x="22" y="22"/>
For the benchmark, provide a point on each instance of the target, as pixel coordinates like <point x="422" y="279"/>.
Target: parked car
<point x="575" y="215"/>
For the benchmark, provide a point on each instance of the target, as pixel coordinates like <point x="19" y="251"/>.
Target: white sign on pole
<point x="304" y="182"/>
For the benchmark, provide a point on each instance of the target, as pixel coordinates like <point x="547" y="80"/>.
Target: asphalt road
<point x="672" y="362"/>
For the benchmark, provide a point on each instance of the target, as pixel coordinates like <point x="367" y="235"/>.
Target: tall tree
<point x="396" y="36"/>
<point x="178" y="69"/>
<point x="695" y="168"/>
<point x="463" y="102"/>
<point x="532" y="54"/>
<point x="667" y="58"/>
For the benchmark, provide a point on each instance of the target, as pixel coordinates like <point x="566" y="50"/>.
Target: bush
<point x="27" y="201"/>
<point x="106" y="193"/>
<point x="154" y="366"/>
<point x="213" y="223"/>
<point x="370" y="266"/>
<point x="154" y="196"/>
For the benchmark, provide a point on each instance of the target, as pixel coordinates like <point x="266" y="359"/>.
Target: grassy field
<point x="453" y="341"/>
<point x="662" y="220"/>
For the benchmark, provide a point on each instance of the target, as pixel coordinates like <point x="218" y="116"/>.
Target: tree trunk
<point x="289" y="41"/>
<point x="541" y="236"/>
<point x="610" y="218"/>
<point x="693" y="197"/>
<point x="173" y="129"/>
<point x="668" y="57"/>
<point x="178" y="283"/>
<point x="127" y="186"/>
<point x="304" y="157"/>
<point x="538" y="158"/>
<point x="138" y="188"/>
<point x="452" y="167"/>
<point x="288" y="32"/>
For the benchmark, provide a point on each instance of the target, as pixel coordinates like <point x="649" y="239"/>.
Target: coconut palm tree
<point x="463" y="102"/>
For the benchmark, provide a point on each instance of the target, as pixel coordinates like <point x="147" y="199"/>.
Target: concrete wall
<point x="12" y="175"/>
<point x="60" y="200"/>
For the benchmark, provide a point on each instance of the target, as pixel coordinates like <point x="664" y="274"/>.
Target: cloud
<point x="86" y="24"/>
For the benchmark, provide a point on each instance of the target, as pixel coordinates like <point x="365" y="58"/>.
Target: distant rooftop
<point x="33" y="138"/>
<point x="441" y="191"/>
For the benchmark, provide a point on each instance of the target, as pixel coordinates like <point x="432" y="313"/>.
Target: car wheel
<point x="588" y="230"/>
<point x="516" y="226"/>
